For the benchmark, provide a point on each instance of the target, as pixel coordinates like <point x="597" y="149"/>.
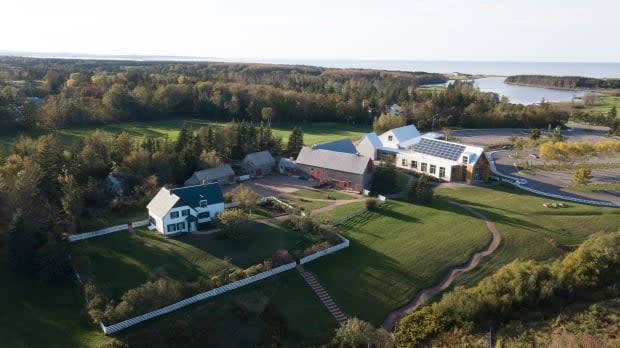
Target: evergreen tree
<point x="185" y="138"/>
<point x="21" y="245"/>
<point x="295" y="142"/>
<point x="52" y="259"/>
<point x="50" y="159"/>
<point x="72" y="200"/>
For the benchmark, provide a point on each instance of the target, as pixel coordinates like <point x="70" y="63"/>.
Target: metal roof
<point x="259" y="158"/>
<point x="342" y="145"/>
<point x="344" y="162"/>
<point x="210" y="174"/>
<point x="166" y="199"/>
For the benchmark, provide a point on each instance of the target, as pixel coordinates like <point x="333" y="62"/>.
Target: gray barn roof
<point x="210" y="174"/>
<point x="344" y="162"/>
<point x="259" y="158"/>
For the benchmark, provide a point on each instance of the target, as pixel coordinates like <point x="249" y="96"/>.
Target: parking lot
<point x="486" y="137"/>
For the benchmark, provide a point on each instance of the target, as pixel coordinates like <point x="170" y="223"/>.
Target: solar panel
<point x="439" y="149"/>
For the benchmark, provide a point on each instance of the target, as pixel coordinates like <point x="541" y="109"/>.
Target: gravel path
<point x="424" y="295"/>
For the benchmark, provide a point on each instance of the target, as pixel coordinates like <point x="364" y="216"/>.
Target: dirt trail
<point x="426" y="294"/>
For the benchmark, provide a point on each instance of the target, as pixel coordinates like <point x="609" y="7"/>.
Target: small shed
<point x="287" y="166"/>
<point x="223" y="174"/>
<point x="258" y="163"/>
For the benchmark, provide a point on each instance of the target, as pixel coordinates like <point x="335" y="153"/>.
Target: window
<point x="414" y="164"/>
<point x="390" y="138"/>
<point x="442" y="172"/>
<point x="180" y="226"/>
<point x="204" y="215"/>
<point x="465" y="160"/>
<point x="172" y="228"/>
<point x="404" y="162"/>
<point x="433" y="169"/>
<point x="423" y="167"/>
<point x="203" y="203"/>
<point x="174" y="215"/>
<point x="184" y="212"/>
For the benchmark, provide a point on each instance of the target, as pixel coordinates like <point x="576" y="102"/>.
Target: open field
<point x="124" y="260"/>
<point x="44" y="315"/>
<point x="340" y="212"/>
<point x="606" y="103"/>
<point x="529" y="231"/>
<point x="395" y="252"/>
<point x="313" y="133"/>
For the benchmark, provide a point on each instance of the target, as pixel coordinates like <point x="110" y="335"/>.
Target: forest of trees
<point x="564" y="82"/>
<point x="53" y="93"/>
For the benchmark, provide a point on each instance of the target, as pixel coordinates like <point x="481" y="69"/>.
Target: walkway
<point x="333" y="309"/>
<point x="426" y="294"/>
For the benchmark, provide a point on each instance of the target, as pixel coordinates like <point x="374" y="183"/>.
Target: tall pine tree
<point x="295" y="142"/>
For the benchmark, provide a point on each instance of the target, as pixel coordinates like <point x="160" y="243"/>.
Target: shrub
<point x="231" y="220"/>
<point x="372" y="204"/>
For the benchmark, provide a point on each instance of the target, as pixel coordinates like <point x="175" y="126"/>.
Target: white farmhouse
<point x="181" y="209"/>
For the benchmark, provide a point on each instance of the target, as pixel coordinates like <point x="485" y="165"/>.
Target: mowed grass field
<point x="124" y="260"/>
<point x="606" y="103"/>
<point x="529" y="230"/>
<point x="35" y="314"/>
<point x="395" y="252"/>
<point x="314" y="133"/>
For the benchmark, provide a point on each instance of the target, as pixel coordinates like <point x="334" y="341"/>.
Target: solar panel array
<point x="439" y="149"/>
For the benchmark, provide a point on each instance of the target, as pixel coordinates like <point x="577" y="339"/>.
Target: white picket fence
<point x="107" y="230"/>
<point x="330" y="250"/>
<point x="513" y="181"/>
<point x="110" y="329"/>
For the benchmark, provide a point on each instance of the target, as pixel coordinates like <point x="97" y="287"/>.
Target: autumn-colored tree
<point x="385" y="122"/>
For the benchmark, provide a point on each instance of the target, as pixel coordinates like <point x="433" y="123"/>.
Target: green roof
<point x="192" y="195"/>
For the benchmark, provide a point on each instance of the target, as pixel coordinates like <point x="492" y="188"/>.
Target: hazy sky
<point x="513" y="30"/>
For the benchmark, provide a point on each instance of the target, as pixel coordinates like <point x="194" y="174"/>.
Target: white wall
<point x="366" y="148"/>
<point x="213" y="210"/>
<point x="422" y="158"/>
<point x="386" y="142"/>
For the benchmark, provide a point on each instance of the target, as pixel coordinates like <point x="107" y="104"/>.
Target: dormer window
<point x="203" y="203"/>
<point x="390" y="138"/>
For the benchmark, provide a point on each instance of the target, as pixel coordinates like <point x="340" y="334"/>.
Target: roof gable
<point x="259" y="158"/>
<point x="192" y="195"/>
<point x="344" y="162"/>
<point x="373" y="140"/>
<point x="163" y="201"/>
<point x="214" y="173"/>
<point x="342" y="145"/>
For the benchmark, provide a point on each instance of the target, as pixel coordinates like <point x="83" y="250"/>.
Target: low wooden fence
<point x="330" y="250"/>
<point x="107" y="230"/>
<point x="110" y="329"/>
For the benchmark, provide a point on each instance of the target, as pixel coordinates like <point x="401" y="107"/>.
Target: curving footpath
<point x="426" y="294"/>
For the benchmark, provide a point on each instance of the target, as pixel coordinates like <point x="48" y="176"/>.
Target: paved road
<point x="555" y="182"/>
<point x="493" y="136"/>
<point x="426" y="294"/>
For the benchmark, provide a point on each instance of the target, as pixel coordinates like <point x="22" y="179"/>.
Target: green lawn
<point x="607" y="102"/>
<point x="529" y="230"/>
<point x="113" y="219"/>
<point x="34" y="314"/>
<point x="124" y="260"/>
<point x="314" y="133"/>
<point x="596" y="187"/>
<point x="321" y="194"/>
<point x="396" y="252"/>
<point x="340" y="212"/>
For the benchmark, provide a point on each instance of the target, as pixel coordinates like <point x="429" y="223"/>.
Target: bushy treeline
<point x="463" y="105"/>
<point x="56" y="93"/>
<point x="517" y="288"/>
<point x="570" y="82"/>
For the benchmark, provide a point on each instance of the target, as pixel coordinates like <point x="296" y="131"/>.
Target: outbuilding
<point x="258" y="164"/>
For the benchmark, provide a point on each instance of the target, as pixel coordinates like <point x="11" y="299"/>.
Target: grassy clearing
<point x="395" y="252"/>
<point x="595" y="187"/>
<point x="314" y="133"/>
<point x="113" y="219"/>
<point x="44" y="315"/>
<point x="529" y="231"/>
<point x="292" y="315"/>
<point x="321" y="194"/>
<point x="606" y="103"/>
<point x="122" y="261"/>
<point x="340" y="212"/>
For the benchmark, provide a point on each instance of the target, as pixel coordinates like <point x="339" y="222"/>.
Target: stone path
<point x="333" y="309"/>
<point x="424" y="295"/>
